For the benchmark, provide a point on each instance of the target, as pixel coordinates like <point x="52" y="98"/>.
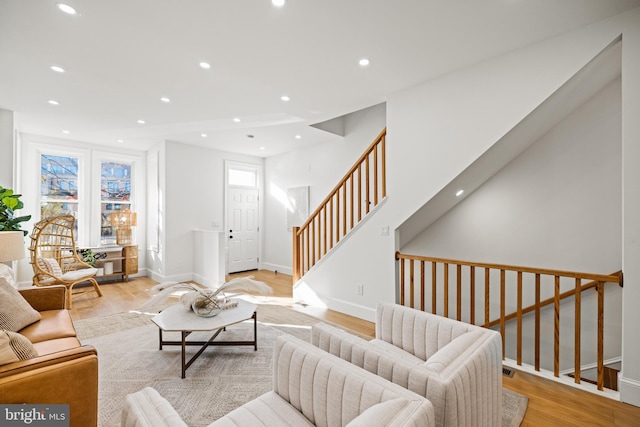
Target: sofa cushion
<point x="56" y="345"/>
<point x="15" y="311"/>
<point x="15" y="347"/>
<point x="53" y="324"/>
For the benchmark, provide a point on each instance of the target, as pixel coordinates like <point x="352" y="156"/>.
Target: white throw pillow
<point x="6" y="273"/>
<point x="50" y="265"/>
<point x="15" y="311"/>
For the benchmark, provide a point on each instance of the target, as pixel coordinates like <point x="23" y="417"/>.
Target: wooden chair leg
<point x="96" y="287"/>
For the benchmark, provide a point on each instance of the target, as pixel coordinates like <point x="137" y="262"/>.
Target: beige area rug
<point x="222" y="379"/>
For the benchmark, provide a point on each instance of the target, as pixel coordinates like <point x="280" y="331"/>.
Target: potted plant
<point x="91" y="257"/>
<point x="9" y="203"/>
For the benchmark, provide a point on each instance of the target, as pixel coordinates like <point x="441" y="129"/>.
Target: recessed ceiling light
<point x="285" y="98"/>
<point x="236" y="119"/>
<point x="53" y="102"/>
<point x="205" y="65"/>
<point x="204" y="135"/>
<point x="66" y="132"/>
<point x="165" y="99"/>
<point x="459" y="193"/>
<point x="278" y="3"/>
<point x="298" y="136"/>
<point x="121" y="141"/>
<point x="262" y="148"/>
<point x="57" y="69"/>
<point x="364" y="62"/>
<point x="67" y="9"/>
<point x="141" y="122"/>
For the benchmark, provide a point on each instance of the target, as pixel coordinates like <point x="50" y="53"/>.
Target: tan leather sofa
<point x="64" y="372"/>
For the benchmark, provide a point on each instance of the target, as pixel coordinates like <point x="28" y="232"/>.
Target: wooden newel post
<point x="296" y="255"/>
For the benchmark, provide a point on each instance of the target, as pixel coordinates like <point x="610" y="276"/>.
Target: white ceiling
<point x="122" y="56"/>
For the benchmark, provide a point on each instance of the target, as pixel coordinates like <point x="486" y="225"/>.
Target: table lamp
<point x="123" y="221"/>
<point x="11" y="249"/>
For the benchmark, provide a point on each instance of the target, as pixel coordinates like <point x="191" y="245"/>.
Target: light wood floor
<point x="550" y="404"/>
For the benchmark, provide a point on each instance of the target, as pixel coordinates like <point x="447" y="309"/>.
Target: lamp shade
<point x="11" y="245"/>
<point x="124" y="218"/>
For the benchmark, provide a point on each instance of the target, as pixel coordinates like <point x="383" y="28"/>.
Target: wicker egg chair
<point x="54" y="258"/>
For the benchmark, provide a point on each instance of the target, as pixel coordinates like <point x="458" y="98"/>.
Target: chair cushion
<point x="15" y="311"/>
<point x="15" y="347"/>
<point x="384" y="414"/>
<point x="50" y="265"/>
<point x="396" y="352"/>
<point x="267" y="410"/>
<point x="74" y="275"/>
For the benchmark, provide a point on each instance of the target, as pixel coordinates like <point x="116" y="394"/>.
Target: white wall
<point x="630" y="377"/>
<point x="6" y="144"/>
<point x="320" y="167"/>
<point x="558" y="205"/>
<point x="435" y="131"/>
<point x="191" y="196"/>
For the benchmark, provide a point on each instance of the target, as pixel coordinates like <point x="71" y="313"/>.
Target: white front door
<point x="243" y="229"/>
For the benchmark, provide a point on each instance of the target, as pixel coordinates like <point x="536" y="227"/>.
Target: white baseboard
<point x="355" y="310"/>
<point x="304" y="294"/>
<point x="183" y="277"/>
<point x="277" y="268"/>
<point x="629" y="391"/>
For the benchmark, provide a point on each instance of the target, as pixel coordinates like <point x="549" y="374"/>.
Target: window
<point x="58" y="186"/>
<point x="70" y="178"/>
<point x="115" y="195"/>
<point x="243" y="177"/>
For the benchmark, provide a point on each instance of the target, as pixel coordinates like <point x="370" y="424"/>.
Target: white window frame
<point x="97" y="159"/>
<point x="35" y="151"/>
<point x="89" y="178"/>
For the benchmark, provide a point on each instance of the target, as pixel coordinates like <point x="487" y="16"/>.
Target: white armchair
<point x="456" y="366"/>
<point x="310" y="388"/>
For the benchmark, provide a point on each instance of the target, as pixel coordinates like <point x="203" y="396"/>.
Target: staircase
<point x="361" y="189"/>
<point x="491" y="295"/>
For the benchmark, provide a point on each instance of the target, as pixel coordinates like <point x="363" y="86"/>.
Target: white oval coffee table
<point x="179" y="318"/>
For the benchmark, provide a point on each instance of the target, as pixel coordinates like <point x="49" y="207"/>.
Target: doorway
<point x="243" y="217"/>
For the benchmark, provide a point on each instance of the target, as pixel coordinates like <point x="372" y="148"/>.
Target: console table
<point x="124" y="260"/>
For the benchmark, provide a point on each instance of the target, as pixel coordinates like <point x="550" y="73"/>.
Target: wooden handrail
<point x="613" y="278"/>
<point x="336" y="215"/>
<point x="548" y="301"/>
<point x="592" y="280"/>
